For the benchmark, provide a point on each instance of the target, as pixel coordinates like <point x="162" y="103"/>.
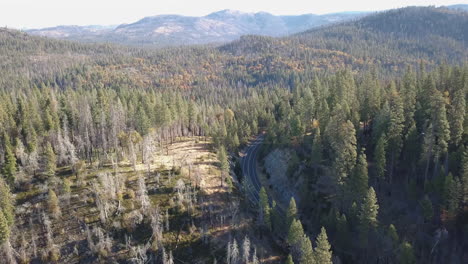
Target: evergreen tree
<point x="235" y="141"/>
<point x="406" y="254"/>
<point x="317" y="148"/>
<point x="341" y="135"/>
<point x="53" y="204"/>
<point x="426" y="207"/>
<point x="322" y="251"/>
<point x="50" y="161"/>
<point x="368" y="215"/>
<point x="450" y="193"/>
<point x="379" y="157"/>
<point x="4" y="228"/>
<point x="342" y="231"/>
<point x="395" y="128"/>
<point x="7" y="202"/>
<point x="142" y="121"/>
<point x="264" y="210"/>
<point x="289" y="260"/>
<point x="307" y="252"/>
<point x="440" y="124"/>
<point x="457" y="116"/>
<point x="359" y="183"/>
<point x="408" y="95"/>
<point x="297" y="129"/>
<point x="9" y="164"/>
<point x="394" y="239"/>
<point x="464" y="179"/>
<point x="295" y="235"/>
<point x="392" y="233"/>
<point x="277" y="223"/>
<point x="66" y="186"/>
<point x="412" y="148"/>
<point x="291" y="214"/>
<point x="438" y="132"/>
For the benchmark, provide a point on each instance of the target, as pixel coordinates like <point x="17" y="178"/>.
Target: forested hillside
<point x="393" y="40"/>
<point x="136" y="155"/>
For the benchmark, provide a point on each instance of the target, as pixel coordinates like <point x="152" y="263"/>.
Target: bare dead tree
<point x="142" y="195"/>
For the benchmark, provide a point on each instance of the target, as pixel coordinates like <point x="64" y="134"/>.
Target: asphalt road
<point x="249" y="168"/>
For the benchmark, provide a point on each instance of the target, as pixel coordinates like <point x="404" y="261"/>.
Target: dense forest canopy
<point x="372" y="112"/>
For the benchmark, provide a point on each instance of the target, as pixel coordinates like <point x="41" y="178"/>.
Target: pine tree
<point x="342" y="231"/>
<point x="264" y="209"/>
<point x="368" y="216"/>
<point x="289" y="260"/>
<point x="291" y="214"/>
<point x="409" y="97"/>
<point x="297" y="129"/>
<point x="235" y="141"/>
<point x="277" y="223"/>
<point x="392" y="233"/>
<point x="464" y="179"/>
<point x="395" y="128"/>
<point x="379" y="157"/>
<point x="142" y="121"/>
<point x="31" y="139"/>
<point x="66" y="186"/>
<point x="450" y="193"/>
<point x="9" y="164"/>
<point x="322" y="252"/>
<point x="295" y="234"/>
<point x="438" y="132"/>
<point x="307" y="252"/>
<point x="4" y="228"/>
<point x="53" y="204"/>
<point x="359" y="182"/>
<point x="406" y="254"/>
<point x="341" y="136"/>
<point x="317" y="148"/>
<point x="426" y="207"/>
<point x="457" y="116"/>
<point x="50" y="161"/>
<point x="7" y="202"/>
<point x="412" y="147"/>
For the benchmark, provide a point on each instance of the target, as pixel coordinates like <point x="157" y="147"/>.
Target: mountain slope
<point x="222" y="26"/>
<point x="463" y="7"/>
<point x="392" y="39"/>
<point x="427" y="33"/>
<point x="72" y="32"/>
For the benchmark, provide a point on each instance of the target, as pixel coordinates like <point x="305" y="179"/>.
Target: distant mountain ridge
<point x="217" y="27"/>
<point x="393" y="39"/>
<point x="463" y="7"/>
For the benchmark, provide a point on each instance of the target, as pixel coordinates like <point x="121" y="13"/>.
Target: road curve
<point x="249" y="168"/>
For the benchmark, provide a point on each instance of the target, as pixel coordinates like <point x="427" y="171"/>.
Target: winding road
<point x="249" y="168"/>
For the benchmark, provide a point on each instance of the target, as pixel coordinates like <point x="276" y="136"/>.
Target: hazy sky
<point x="45" y="13"/>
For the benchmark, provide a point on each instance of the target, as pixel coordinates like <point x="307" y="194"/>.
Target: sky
<point x="23" y="14"/>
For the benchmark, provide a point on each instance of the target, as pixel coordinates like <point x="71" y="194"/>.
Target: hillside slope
<point x="425" y="33"/>
<point x="392" y="40"/>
